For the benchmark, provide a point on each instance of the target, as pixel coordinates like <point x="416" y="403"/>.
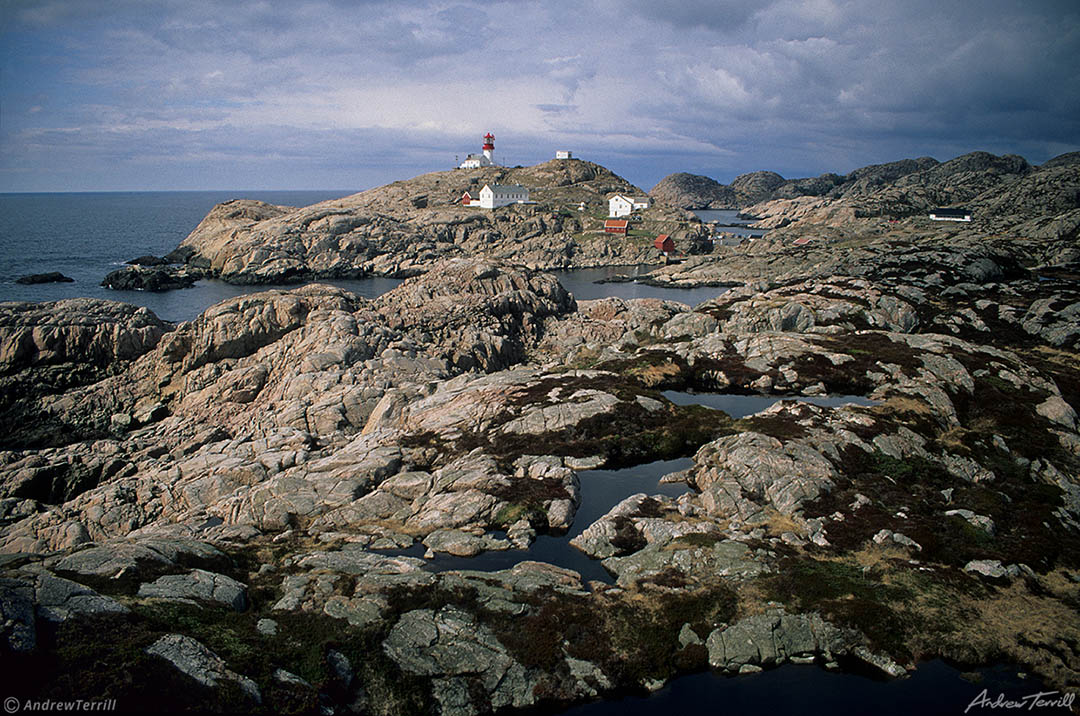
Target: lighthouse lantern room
<point x="475" y="161"/>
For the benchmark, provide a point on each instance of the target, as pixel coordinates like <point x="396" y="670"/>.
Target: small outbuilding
<point x="563" y="154"/>
<point x="664" y="243"/>
<point x="616" y="226"/>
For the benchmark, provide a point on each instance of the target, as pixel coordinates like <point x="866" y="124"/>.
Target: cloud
<point x="720" y="15"/>
<point x="798" y="86"/>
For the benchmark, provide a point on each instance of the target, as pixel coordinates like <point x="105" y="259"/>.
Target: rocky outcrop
<point x="770" y="639"/>
<point x="755" y="187"/>
<point x="812" y="186"/>
<point x="198" y="585"/>
<point x="59" y="600"/>
<point x="743" y="475"/>
<point x="452" y="649"/>
<point x="49" y="348"/>
<point x="156" y="278"/>
<point x="50" y="277"/>
<point x="78" y="330"/>
<point x="204" y="666"/>
<point x="1005" y="193"/>
<point x="693" y="191"/>
<point x="870" y="179"/>
<point x="404" y="228"/>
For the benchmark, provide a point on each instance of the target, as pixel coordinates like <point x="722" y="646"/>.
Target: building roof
<point x="951" y="212"/>
<point x="616" y="224"/>
<point x="505" y="188"/>
<point x="661" y="240"/>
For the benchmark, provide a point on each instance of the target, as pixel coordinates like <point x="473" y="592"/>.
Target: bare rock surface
<point x="204" y="666"/>
<point x="198" y="585"/>
<point x="346" y="467"/>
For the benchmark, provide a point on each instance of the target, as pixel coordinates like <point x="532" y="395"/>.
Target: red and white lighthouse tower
<point x="476" y="161"/>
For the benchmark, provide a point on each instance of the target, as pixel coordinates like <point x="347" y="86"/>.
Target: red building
<point x="664" y="243"/>
<point x="616" y="226"/>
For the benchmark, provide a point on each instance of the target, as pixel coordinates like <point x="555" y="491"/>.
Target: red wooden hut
<point x="616" y="226"/>
<point x="664" y="243"/>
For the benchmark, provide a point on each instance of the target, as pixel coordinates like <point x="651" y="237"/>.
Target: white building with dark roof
<point x="496" y="195"/>
<point x="951" y="215"/>
<point x="624" y="205"/>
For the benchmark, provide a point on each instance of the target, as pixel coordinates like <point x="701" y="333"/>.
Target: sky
<point x="125" y="95"/>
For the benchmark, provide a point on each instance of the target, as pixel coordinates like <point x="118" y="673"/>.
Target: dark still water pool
<point x="583" y="283"/>
<point x="934" y="689"/>
<point x="600" y="491"/>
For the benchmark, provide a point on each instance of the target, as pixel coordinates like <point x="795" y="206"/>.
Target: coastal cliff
<point x="308" y="500"/>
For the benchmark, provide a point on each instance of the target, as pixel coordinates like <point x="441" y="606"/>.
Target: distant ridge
<point x="1005" y="191"/>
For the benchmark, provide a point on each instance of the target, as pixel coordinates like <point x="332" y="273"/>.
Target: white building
<point x="495" y="195"/>
<point x="475" y="161"/>
<point x="563" y="154"/>
<point x="623" y="205"/>
<point x="950" y="215"/>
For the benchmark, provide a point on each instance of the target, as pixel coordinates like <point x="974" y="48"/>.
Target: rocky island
<point x="293" y="503"/>
<point x="400" y="229"/>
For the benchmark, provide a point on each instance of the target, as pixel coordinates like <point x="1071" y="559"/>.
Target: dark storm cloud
<point x="720" y="87"/>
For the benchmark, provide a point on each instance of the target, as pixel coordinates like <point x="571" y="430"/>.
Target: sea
<point x="87" y="235"/>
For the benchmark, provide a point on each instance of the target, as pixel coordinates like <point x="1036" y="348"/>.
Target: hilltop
<point x="401" y="228"/>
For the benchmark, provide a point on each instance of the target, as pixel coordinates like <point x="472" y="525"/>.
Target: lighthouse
<point x="475" y="161"/>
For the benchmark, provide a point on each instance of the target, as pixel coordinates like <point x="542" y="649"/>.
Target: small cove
<point x="727" y="221"/>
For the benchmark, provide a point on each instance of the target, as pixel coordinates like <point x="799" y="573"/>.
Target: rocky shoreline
<point x="240" y="474"/>
<point x="229" y="498"/>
